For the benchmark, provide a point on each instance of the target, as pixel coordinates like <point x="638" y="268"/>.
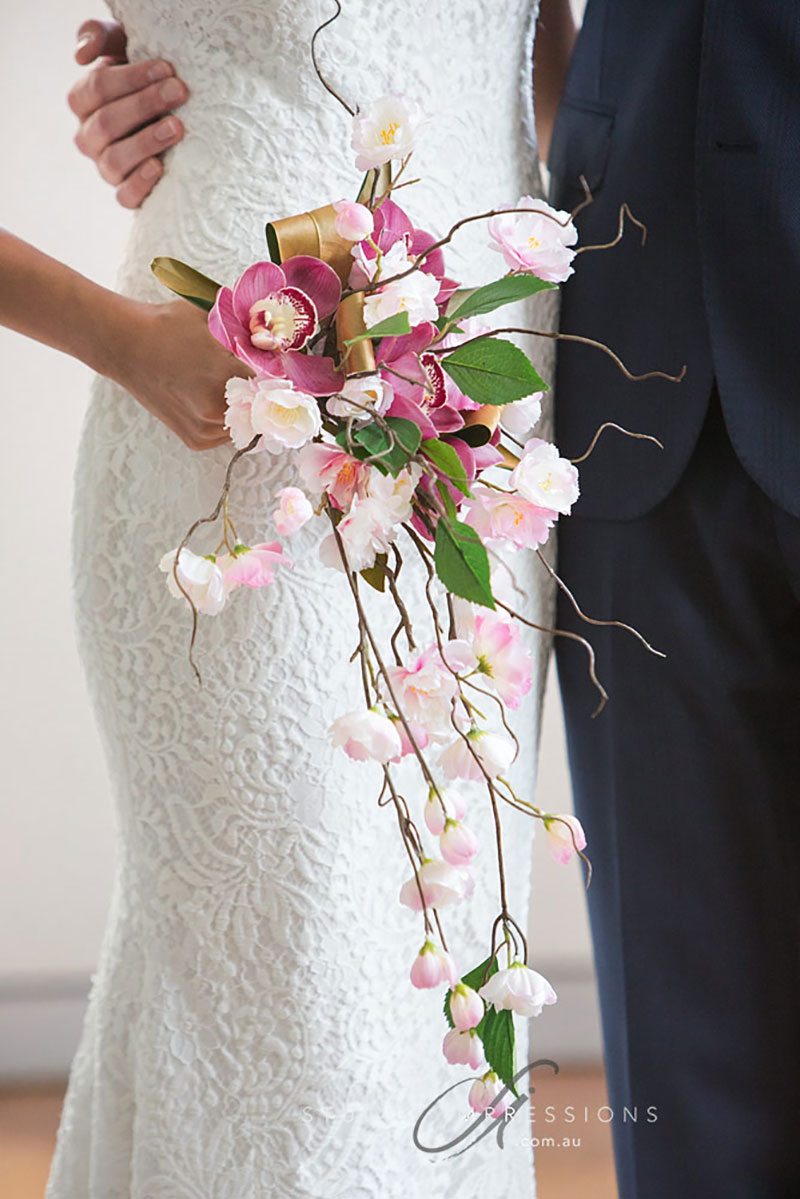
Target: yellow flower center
<point x="547" y="482"/>
<point x="387" y="134"/>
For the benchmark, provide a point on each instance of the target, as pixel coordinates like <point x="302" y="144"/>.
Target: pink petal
<point x="420" y="337"/>
<point x="259" y="280"/>
<point x="264" y="362"/>
<point x="433" y="263"/>
<point x="407" y="410"/>
<point x="391" y="223"/>
<point x="447" y="420"/>
<point x="222" y="322"/>
<point x="313" y="375"/>
<point x="314" y="277"/>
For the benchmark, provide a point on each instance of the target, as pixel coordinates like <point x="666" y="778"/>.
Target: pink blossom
<point x="293" y="511"/>
<point x="273" y="408"/>
<point x="518" y="989"/>
<point x="502" y="657"/>
<point x="544" y="477"/>
<point x="425" y="688"/>
<point x="495" y="752"/>
<point x="538" y="241"/>
<point x="270" y="314"/>
<point x="447" y="804"/>
<point x="433" y="966"/>
<point x="357" y="396"/>
<point x="366" y="734"/>
<point x="483" y="1095"/>
<point x="464" y="1048"/>
<point x="326" y="468"/>
<point x="458" y="843"/>
<point x="564" y="835"/>
<point x="419" y="733"/>
<point x="441" y="884"/>
<point x="364" y="533"/>
<point x="506" y="516"/>
<point x="252" y="566"/>
<point x="466" y="1007"/>
<point x="354" y="221"/>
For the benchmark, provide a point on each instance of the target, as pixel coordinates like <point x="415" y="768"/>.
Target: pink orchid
<point x="270" y="314"/>
<point x="392" y="225"/>
<point x="252" y="566"/>
<point x="507" y="516"/>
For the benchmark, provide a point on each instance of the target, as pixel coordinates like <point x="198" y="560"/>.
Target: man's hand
<point x="122" y="108"/>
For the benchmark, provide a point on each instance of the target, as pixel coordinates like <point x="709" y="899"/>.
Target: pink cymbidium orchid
<point x="271" y="312"/>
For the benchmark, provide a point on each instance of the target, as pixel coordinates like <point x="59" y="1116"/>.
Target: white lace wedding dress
<point x="251" y="1030"/>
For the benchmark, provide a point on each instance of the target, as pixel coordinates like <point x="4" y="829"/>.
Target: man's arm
<point x="125" y="111"/>
<point x="552" y="50"/>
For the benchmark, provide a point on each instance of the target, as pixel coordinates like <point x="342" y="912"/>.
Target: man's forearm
<point x="552" y="50"/>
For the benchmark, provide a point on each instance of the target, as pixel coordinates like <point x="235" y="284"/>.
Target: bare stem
<point x="609" y="424"/>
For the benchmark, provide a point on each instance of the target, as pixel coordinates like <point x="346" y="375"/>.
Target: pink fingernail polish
<point x="151" y="170"/>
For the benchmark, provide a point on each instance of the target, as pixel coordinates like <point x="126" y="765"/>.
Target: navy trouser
<point x="688" y="785"/>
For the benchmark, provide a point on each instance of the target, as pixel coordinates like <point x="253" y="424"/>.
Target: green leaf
<point x="371" y="439"/>
<point x="492" y="370"/>
<point x="445" y="458"/>
<point x="496" y="295"/>
<point x="376" y="575"/>
<point x="394" y="326"/>
<point x="447" y="499"/>
<point x="462" y="562"/>
<point x="498" y="1043"/>
<point x="186" y="281"/>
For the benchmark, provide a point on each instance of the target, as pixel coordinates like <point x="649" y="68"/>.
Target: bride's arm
<point x="552" y="50"/>
<point x="162" y="354"/>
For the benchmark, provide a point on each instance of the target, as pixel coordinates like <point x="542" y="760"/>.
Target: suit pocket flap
<point x="579" y="146"/>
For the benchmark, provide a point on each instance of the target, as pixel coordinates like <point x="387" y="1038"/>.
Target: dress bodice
<point x="265" y="140"/>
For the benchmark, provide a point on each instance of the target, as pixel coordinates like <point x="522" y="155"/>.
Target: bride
<point x="251" y="1030"/>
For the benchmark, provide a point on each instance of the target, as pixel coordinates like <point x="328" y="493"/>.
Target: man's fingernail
<point x="151" y="170"/>
<point x="166" y="130"/>
<point x="171" y="90"/>
<point x="159" y="70"/>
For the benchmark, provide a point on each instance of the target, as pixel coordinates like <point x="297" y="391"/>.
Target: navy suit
<point x="689" y="782"/>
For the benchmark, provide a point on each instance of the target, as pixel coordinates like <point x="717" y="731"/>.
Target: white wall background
<point x="56" y="831"/>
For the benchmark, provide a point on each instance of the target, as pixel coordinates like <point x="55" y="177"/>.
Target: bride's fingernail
<point x="150" y="170"/>
<point x="84" y="40"/>
<point x="159" y="70"/>
<point x="166" y="130"/>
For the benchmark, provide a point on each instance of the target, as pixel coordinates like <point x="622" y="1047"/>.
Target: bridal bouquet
<point x="388" y="383"/>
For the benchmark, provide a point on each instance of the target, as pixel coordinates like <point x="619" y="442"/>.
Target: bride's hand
<point x="164" y="355"/>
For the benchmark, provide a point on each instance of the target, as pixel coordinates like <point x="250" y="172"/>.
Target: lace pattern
<point x="251" y="1030"/>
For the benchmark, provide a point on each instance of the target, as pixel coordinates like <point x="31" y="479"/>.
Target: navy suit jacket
<point x="690" y="112"/>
